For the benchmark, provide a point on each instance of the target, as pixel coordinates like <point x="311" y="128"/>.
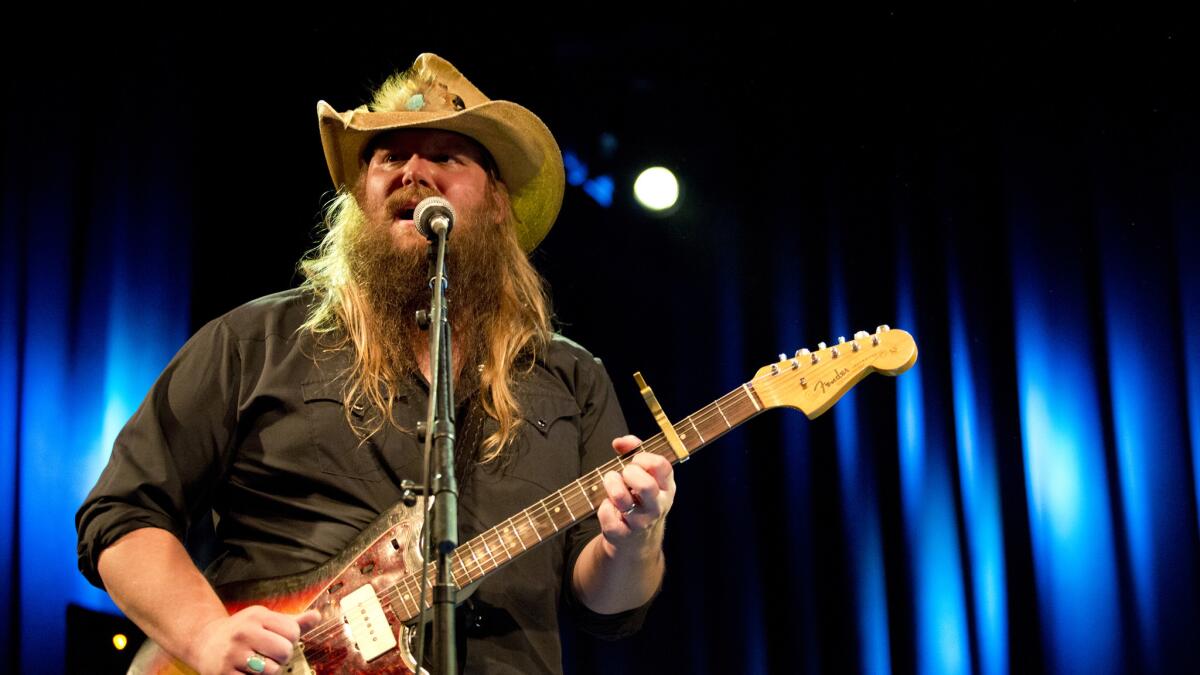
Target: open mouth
<point x="402" y="208"/>
<point x="406" y="210"/>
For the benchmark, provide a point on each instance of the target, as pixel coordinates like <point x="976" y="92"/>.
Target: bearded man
<point x="291" y="420"/>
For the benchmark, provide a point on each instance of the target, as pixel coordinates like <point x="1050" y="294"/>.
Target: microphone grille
<point x="428" y="209"/>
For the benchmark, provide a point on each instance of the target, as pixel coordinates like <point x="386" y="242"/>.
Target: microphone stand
<point x="443" y="484"/>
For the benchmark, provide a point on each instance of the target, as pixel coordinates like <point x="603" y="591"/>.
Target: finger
<point x="641" y="484"/>
<point x="618" y="493"/>
<point x="625" y="443"/>
<point x="656" y="466"/>
<point x="612" y="523"/>
<point x="308" y="620"/>
<point x="272" y="645"/>
<point x="642" y="518"/>
<point x="284" y="625"/>
<point x="270" y="667"/>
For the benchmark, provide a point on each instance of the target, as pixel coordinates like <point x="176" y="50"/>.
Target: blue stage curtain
<point x="97" y="222"/>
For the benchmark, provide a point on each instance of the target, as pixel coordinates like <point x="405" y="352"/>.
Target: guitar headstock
<point x="812" y="381"/>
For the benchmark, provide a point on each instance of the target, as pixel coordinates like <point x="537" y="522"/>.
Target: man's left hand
<point x="631" y="519"/>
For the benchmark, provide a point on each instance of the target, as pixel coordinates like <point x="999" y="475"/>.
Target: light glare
<point x="656" y="188"/>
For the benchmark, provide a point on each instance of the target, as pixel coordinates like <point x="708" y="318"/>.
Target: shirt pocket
<point x="544" y="412"/>
<point x="551" y="452"/>
<point x="340" y="451"/>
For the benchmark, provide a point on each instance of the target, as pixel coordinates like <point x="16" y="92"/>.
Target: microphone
<point x="433" y="216"/>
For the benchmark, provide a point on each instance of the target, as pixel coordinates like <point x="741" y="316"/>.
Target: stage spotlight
<point x="97" y="642"/>
<point x="656" y="189"/>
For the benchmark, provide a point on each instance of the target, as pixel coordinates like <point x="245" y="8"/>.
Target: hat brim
<point x="526" y="154"/>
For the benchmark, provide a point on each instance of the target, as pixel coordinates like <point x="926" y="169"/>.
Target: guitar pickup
<point x="367" y="625"/>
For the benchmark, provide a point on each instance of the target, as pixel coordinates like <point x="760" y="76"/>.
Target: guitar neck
<point x="580" y="498"/>
<point x="811" y="381"/>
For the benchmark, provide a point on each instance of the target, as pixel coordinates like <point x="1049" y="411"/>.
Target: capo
<point x="668" y="430"/>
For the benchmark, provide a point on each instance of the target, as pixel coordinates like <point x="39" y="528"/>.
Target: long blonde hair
<point x="514" y="335"/>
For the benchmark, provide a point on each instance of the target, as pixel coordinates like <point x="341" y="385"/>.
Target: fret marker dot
<point x="556" y="509"/>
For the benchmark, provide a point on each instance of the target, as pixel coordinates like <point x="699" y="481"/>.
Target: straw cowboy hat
<point x="434" y="95"/>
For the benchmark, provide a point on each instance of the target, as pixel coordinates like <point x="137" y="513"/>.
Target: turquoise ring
<point x="255" y="663"/>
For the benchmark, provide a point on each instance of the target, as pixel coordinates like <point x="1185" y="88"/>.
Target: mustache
<point x="400" y="204"/>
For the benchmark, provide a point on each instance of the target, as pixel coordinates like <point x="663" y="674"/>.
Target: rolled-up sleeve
<point x="169" y="455"/>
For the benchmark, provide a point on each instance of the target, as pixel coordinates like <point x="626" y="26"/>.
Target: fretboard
<point x="579" y="499"/>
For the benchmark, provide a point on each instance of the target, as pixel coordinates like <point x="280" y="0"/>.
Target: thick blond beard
<point x="366" y="292"/>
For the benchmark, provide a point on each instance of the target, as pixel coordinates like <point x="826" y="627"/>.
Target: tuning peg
<point x="782" y="356"/>
<point x="841" y="340"/>
<point x="861" y="335"/>
<point x="834" y="352"/>
<point x="774" y="369"/>
<point x="882" y="328"/>
<point x="820" y="345"/>
<point x="802" y="353"/>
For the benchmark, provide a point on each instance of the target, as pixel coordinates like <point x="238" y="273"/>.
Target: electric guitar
<point x="368" y="594"/>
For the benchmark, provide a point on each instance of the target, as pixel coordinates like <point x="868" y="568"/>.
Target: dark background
<point x="1014" y="182"/>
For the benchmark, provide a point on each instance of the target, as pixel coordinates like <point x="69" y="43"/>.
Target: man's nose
<point x="417" y="170"/>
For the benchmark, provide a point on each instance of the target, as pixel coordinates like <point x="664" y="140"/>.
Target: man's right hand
<point x="152" y="579"/>
<point x="226" y="645"/>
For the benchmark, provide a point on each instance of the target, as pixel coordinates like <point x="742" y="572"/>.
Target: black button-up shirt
<point x="246" y="425"/>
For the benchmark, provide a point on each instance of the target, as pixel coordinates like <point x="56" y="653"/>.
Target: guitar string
<point x="394" y="592"/>
<point x="321" y="632"/>
<point x="655" y="444"/>
<point x="566" y="494"/>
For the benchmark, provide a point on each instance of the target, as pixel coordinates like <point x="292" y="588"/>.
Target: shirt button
<point x="475" y="623"/>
